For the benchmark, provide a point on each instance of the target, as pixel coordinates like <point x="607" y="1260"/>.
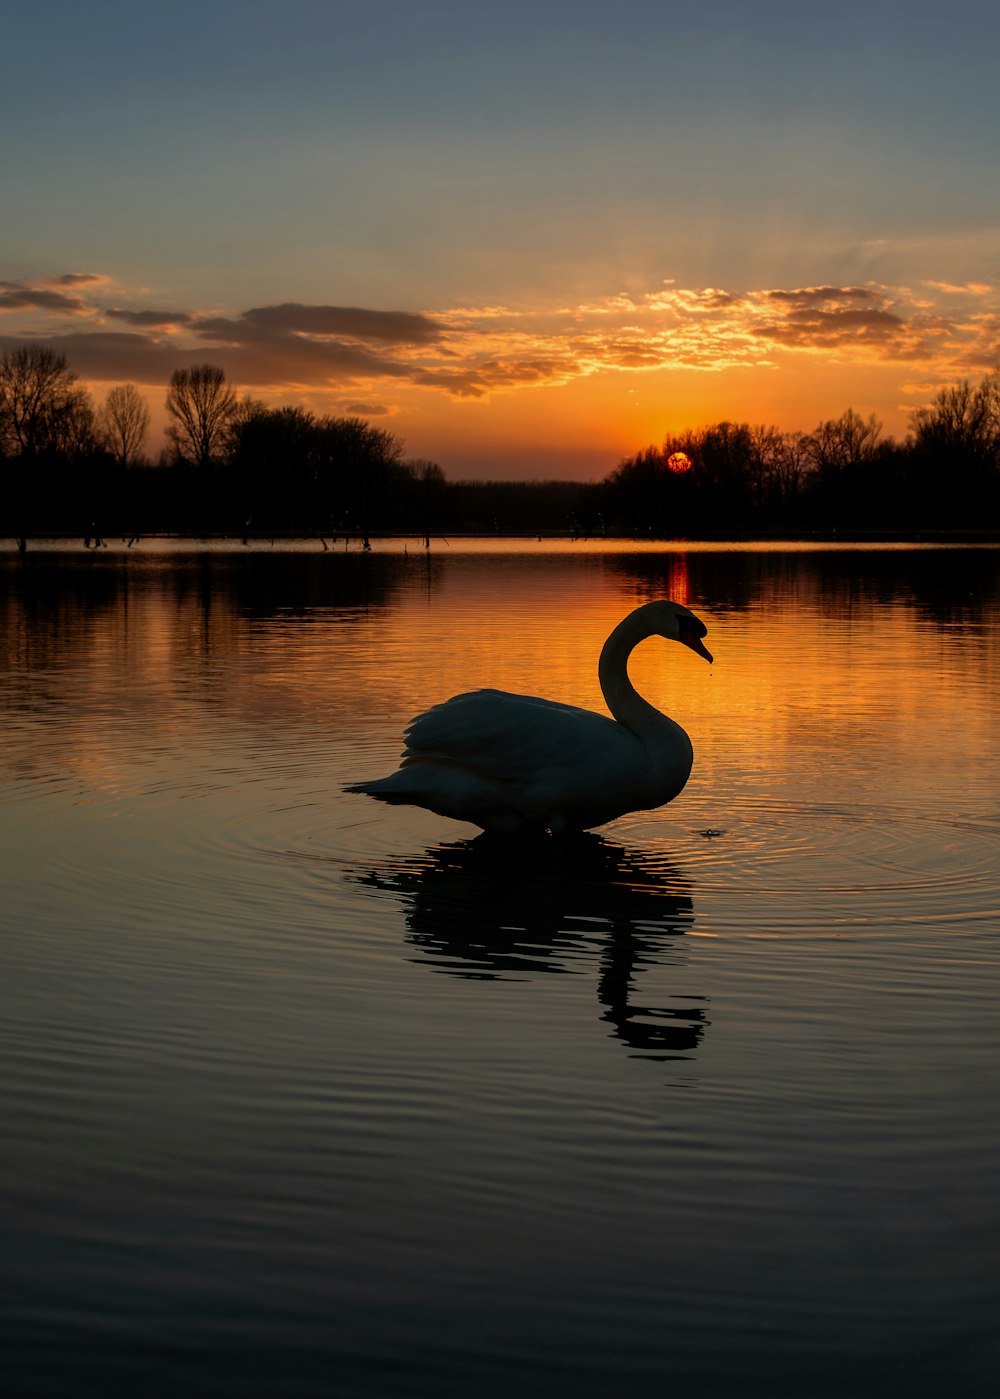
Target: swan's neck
<point x="620" y="695"/>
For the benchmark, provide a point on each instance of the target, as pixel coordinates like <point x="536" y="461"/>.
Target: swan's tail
<point x="378" y="787"/>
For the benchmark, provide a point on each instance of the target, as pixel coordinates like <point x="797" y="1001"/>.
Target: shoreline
<point x="59" y="543"/>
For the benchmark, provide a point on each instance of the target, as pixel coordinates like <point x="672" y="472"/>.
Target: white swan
<point x="513" y="763"/>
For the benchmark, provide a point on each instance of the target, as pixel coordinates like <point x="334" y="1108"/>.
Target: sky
<point x="529" y="239"/>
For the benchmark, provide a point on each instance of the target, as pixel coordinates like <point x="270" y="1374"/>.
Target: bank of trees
<point x="233" y="465"/>
<point x="844" y="475"/>
<point x="291" y="470"/>
<point x="237" y="466"/>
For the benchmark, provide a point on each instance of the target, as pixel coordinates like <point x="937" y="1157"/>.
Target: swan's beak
<point x="691" y="636"/>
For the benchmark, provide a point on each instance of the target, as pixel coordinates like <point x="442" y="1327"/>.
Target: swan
<point x="516" y="763"/>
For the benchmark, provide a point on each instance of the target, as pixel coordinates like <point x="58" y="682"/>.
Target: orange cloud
<point x="471" y="353"/>
<point x="968" y="289"/>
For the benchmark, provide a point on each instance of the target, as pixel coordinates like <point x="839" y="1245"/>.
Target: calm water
<point x="303" y="1095"/>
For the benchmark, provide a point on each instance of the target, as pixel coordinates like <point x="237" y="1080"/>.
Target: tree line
<point x="844" y="475"/>
<point x="235" y="466"/>
<point x="232" y="464"/>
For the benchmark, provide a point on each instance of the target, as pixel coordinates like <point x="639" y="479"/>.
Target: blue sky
<point x="556" y="187"/>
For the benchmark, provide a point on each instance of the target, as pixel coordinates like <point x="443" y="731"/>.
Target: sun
<point x="679" y="462"/>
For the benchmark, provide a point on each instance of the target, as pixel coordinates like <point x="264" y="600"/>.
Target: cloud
<point x="819" y="327"/>
<point x="108" y="356"/>
<point x="294" y="319"/>
<point x="968" y="289"/>
<point x="75" y="279"/>
<point x="690" y="300"/>
<point x="820" y="296"/>
<point x="152" y="319"/>
<point x="111" y="356"/>
<point x="471" y="353"/>
<point x="456" y="383"/>
<point x="16" y="296"/>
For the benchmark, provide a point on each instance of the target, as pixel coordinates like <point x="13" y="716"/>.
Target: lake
<point x="307" y="1095"/>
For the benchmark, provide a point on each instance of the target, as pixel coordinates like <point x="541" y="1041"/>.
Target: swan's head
<point x="675" y="622"/>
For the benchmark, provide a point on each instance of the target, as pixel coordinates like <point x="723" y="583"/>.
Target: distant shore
<point x="58" y="542"/>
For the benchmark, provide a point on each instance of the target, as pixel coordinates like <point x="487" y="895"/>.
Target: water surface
<point x="306" y="1095"/>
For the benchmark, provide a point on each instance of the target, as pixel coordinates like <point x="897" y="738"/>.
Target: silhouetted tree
<point x="840" y="452"/>
<point x="201" y="404"/>
<point x="766" y="459"/>
<point x="357" y="467"/>
<point x="842" y="443"/>
<point x="723" y="463"/>
<point x="74" y="435"/>
<point x="272" y="453"/>
<point x="122" y="423"/>
<point x="245" y="410"/>
<point x="41" y="409"/>
<point x="642" y="492"/>
<point x="46" y="436"/>
<point x="963" y="424"/>
<point x="956" y="450"/>
<point x="429" y="489"/>
<point x="789" y="465"/>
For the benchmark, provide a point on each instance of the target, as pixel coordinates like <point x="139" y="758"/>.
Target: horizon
<point x="529" y="244"/>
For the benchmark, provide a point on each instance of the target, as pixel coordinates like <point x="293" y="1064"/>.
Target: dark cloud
<point x="469" y="385"/>
<point x="817" y="327"/>
<point x="151" y="319"/>
<point x="506" y="373"/>
<point x="918" y="351"/>
<point x="16" y="297"/>
<point x="111" y="356"/>
<point x="367" y="410"/>
<point x="720" y="300"/>
<point x="75" y="279"/>
<point x="294" y="319"/>
<point x="120" y="355"/>
<point x="819" y="296"/>
<point x="840" y="320"/>
<point x="296" y="360"/>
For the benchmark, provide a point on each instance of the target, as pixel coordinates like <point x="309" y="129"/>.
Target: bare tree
<point x="431" y="484"/>
<point x="962" y="428"/>
<point x="791" y="465"/>
<point x="201" y="404"/>
<point x="72" y="433"/>
<point x="839" y="444"/>
<point x="990" y="389"/>
<point x="40" y="406"/>
<point x="122" y="423"/>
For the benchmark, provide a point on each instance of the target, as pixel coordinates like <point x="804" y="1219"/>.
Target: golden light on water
<point x="790" y="683"/>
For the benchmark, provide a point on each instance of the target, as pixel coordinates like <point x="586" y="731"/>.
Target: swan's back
<point x="498" y="733"/>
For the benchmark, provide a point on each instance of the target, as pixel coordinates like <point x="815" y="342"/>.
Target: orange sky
<point x="528" y="239"/>
<point x="558" y="389"/>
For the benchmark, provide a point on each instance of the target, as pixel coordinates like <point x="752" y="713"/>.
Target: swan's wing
<point x="507" y="737"/>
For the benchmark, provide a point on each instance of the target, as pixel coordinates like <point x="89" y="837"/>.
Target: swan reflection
<point x="483" y="909"/>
